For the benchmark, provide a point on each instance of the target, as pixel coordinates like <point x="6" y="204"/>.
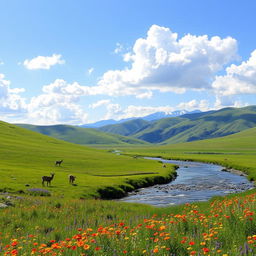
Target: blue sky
<point x="78" y="61"/>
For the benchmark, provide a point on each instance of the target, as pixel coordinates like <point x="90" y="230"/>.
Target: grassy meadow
<point x="70" y="223"/>
<point x="26" y="156"/>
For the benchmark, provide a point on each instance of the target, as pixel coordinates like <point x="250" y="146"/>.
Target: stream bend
<point x="196" y="181"/>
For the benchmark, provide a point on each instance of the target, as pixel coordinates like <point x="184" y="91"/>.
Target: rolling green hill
<point x="233" y="151"/>
<point x="26" y="156"/>
<point x="82" y="136"/>
<point x="127" y="128"/>
<point x="216" y="124"/>
<point x="244" y="141"/>
<point x="191" y="127"/>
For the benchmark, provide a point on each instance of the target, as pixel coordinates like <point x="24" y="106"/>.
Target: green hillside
<point x="158" y="131"/>
<point x="237" y="151"/>
<point x="199" y="127"/>
<point x="189" y="127"/>
<point x="127" y="128"/>
<point x="82" y="136"/>
<point x="244" y="141"/>
<point x="26" y="156"/>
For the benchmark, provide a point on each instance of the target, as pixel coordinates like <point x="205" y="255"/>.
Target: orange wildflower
<point x="86" y="246"/>
<point x="156" y="250"/>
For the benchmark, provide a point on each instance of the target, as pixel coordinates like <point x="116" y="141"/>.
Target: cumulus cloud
<point x="59" y="103"/>
<point x="55" y="110"/>
<point x="239" y="79"/>
<point x="202" y="105"/>
<point x="164" y="62"/>
<point x="10" y="100"/>
<point x="43" y="62"/>
<point x="62" y="87"/>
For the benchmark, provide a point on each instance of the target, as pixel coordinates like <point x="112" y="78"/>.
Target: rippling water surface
<point x="195" y="182"/>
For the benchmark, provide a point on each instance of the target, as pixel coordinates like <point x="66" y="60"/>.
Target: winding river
<point x="195" y="182"/>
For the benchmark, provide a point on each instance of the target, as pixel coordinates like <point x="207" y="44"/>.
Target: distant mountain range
<point x="151" y="117"/>
<point x="151" y="129"/>
<point x="188" y="127"/>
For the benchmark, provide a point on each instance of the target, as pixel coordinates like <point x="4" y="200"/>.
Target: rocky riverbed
<point x="195" y="182"/>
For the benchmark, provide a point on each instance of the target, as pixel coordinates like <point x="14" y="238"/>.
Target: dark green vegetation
<point x="190" y="127"/>
<point x="26" y="156"/>
<point x="81" y="135"/>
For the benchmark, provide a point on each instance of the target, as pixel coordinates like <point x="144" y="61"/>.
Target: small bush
<point x="58" y="205"/>
<point x="111" y="192"/>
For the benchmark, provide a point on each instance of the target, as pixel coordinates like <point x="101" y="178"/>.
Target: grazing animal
<point x="48" y="179"/>
<point x="58" y="162"/>
<point x="71" y="178"/>
<point x="164" y="166"/>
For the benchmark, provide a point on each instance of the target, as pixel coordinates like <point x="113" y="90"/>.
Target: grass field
<point x="26" y="156"/>
<point x="62" y="225"/>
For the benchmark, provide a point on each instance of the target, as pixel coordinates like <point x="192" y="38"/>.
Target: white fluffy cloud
<point x="60" y="86"/>
<point x="53" y="109"/>
<point x="239" y="79"/>
<point x="202" y="105"/>
<point x="43" y="62"/>
<point x="163" y="62"/>
<point x="58" y="104"/>
<point x="10" y="100"/>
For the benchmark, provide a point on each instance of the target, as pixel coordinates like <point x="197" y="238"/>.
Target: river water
<point x="195" y="182"/>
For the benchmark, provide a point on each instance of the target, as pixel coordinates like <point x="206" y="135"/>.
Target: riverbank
<point x="196" y="181"/>
<point x="244" y="165"/>
<point x="119" y="191"/>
